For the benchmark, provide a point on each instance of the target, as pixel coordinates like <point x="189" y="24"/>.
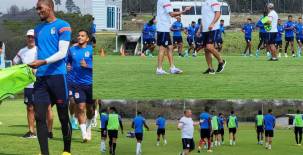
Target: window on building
<point x="111" y="17"/>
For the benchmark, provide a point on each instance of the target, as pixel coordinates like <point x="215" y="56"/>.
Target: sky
<point x="5" y="4"/>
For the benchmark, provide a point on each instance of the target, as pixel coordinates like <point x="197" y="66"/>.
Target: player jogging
<point x="215" y="136"/>
<point x="52" y="38"/>
<point x="190" y="31"/>
<point x="298" y="123"/>
<point x="247" y="29"/>
<point x="205" y="130"/>
<point x="289" y="28"/>
<point x="149" y="40"/>
<point x="161" y="124"/>
<point x="103" y="119"/>
<point x="232" y="124"/>
<point x="138" y="124"/>
<point x="164" y="14"/>
<point x="221" y="127"/>
<point x="259" y="127"/>
<point x="279" y="42"/>
<point x="299" y="35"/>
<point x="262" y="33"/>
<point x="269" y="125"/>
<point x="177" y="29"/>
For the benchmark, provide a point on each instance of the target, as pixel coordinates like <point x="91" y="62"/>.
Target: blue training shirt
<point x="177" y="26"/>
<point x="139" y="124"/>
<point x="205" y="120"/>
<point x="289" y="32"/>
<point x="248" y="29"/>
<point x="191" y="32"/>
<point x="81" y="75"/>
<point x="103" y="118"/>
<point x="47" y="37"/>
<point x="149" y="31"/>
<point x="260" y="25"/>
<point x="221" y="122"/>
<point x="161" y="122"/>
<point x="280" y="33"/>
<point x="299" y="30"/>
<point x="269" y="122"/>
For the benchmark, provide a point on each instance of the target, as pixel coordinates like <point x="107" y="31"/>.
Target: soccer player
<point x="272" y="34"/>
<point x="215" y="130"/>
<point x="112" y="126"/>
<point x="71" y="99"/>
<point x="164" y="14"/>
<point x="211" y="13"/>
<point x="190" y="31"/>
<point x="186" y="124"/>
<point x="232" y="124"/>
<point x="219" y="41"/>
<point x="259" y="124"/>
<point x="289" y="28"/>
<point x="161" y="124"/>
<point x="149" y="40"/>
<point x="103" y="119"/>
<point x="138" y="124"/>
<point x="52" y="39"/>
<point x="26" y="56"/>
<point x="93" y="32"/>
<point x="177" y="29"/>
<point x="279" y="42"/>
<point x="262" y="33"/>
<point x="299" y="35"/>
<point x="81" y="59"/>
<point x="247" y="29"/>
<point x="298" y="123"/>
<point x="205" y="130"/>
<point x="221" y="127"/>
<point x="269" y="125"/>
<point x="198" y="38"/>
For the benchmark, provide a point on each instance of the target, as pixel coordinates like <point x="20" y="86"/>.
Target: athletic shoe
<point x="165" y="142"/>
<point x="209" y="151"/>
<point x="210" y="71"/>
<point x="273" y="59"/>
<point x="286" y="56"/>
<point x="186" y="53"/>
<point x="293" y="55"/>
<point x="50" y="135"/>
<point x="29" y="135"/>
<point x="268" y="54"/>
<point x="150" y="55"/>
<point x="161" y="72"/>
<point x="221" y="66"/>
<point x="66" y="153"/>
<point x="180" y="55"/>
<point x="84" y="140"/>
<point x="195" y="54"/>
<point x="176" y="70"/>
<point x="158" y="144"/>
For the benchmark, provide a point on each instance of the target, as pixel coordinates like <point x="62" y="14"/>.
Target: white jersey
<point x="164" y="7"/>
<point x="209" y="8"/>
<point x="273" y="17"/>
<point x="26" y="56"/>
<point x="187" y="126"/>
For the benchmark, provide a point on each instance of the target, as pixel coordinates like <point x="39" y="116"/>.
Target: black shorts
<point x="261" y="36"/>
<point x="205" y="133"/>
<point x="163" y="39"/>
<point x="198" y="41"/>
<point x="190" y="41"/>
<point x="177" y="39"/>
<point x="232" y="130"/>
<point x="269" y="133"/>
<point x="219" y="41"/>
<point x="270" y="37"/>
<point x="289" y="39"/>
<point x="149" y="41"/>
<point x="71" y="90"/>
<point x="93" y="40"/>
<point x="161" y="132"/>
<point x="299" y="40"/>
<point x="215" y="132"/>
<point x="188" y="144"/>
<point x="112" y="133"/>
<point x="28" y="96"/>
<point x="260" y="129"/>
<point x="209" y="37"/>
<point x="221" y="131"/>
<point x="279" y="43"/>
<point x="299" y="130"/>
<point x="139" y="136"/>
<point x="248" y="40"/>
<point x="51" y="89"/>
<point x="103" y="133"/>
<point x="83" y="94"/>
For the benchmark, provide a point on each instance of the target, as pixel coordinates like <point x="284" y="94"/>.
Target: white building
<point x="107" y="14"/>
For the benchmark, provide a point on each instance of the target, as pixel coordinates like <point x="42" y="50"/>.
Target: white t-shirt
<point x="187" y="126"/>
<point x="26" y="56"/>
<point x="273" y="17"/>
<point x="164" y="7"/>
<point x="209" y="7"/>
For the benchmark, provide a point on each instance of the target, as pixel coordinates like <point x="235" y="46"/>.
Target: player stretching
<point x="138" y="124"/>
<point x="161" y="124"/>
<point x="269" y="125"/>
<point x="259" y="127"/>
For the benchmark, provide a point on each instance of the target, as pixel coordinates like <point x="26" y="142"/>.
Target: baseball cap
<point x="30" y="32"/>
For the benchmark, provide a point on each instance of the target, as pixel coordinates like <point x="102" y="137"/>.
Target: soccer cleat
<point x="210" y="71"/>
<point x="161" y="72"/>
<point x="180" y="55"/>
<point x="176" y="70"/>
<point x="165" y="142"/>
<point x="195" y="54"/>
<point x="29" y="135"/>
<point x="66" y="153"/>
<point x="221" y="66"/>
<point x="293" y="55"/>
<point x="84" y="140"/>
<point x="50" y="135"/>
<point x="209" y="151"/>
<point x="158" y="144"/>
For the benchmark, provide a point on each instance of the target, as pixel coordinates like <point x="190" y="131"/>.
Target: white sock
<point x="83" y="130"/>
<point x="138" y="148"/>
<point x="165" y="141"/>
<point x="230" y="142"/>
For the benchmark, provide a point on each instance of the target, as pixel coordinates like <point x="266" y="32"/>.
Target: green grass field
<point x="118" y="77"/>
<point x="14" y="125"/>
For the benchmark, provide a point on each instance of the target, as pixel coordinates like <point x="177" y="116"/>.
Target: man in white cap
<point x="272" y="33"/>
<point x="26" y="56"/>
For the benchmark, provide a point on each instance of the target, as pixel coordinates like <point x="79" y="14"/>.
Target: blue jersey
<point x="221" y="122"/>
<point x="191" y="32"/>
<point x="299" y="30"/>
<point x="205" y="120"/>
<point x="197" y="26"/>
<point x="248" y="29"/>
<point x="177" y="29"/>
<point x="81" y="75"/>
<point x="149" y="31"/>
<point x="161" y="122"/>
<point x="103" y="118"/>
<point x="220" y="32"/>
<point x="138" y="124"/>
<point x="93" y="28"/>
<point x="269" y="122"/>
<point x="280" y="33"/>
<point x="47" y="37"/>
<point x="289" y="32"/>
<point x="260" y="25"/>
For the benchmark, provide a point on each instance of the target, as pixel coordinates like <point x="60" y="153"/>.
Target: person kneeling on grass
<point x="138" y="124"/>
<point x="269" y="125"/>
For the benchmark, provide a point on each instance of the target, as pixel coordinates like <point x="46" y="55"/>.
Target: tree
<point x="14" y="10"/>
<point x="57" y="3"/>
<point x="71" y="7"/>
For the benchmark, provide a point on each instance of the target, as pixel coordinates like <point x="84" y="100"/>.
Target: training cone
<point x="102" y="53"/>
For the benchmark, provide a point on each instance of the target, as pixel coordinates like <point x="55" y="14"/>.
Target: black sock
<point x="114" y="147"/>
<point x="258" y="137"/>
<point x="297" y="138"/>
<point x="300" y="138"/>
<point x="42" y="131"/>
<point x="110" y="145"/>
<point x="65" y="126"/>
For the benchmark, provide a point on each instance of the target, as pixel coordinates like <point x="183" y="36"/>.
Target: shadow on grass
<point x="11" y="134"/>
<point x="18" y="126"/>
<point x="8" y="153"/>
